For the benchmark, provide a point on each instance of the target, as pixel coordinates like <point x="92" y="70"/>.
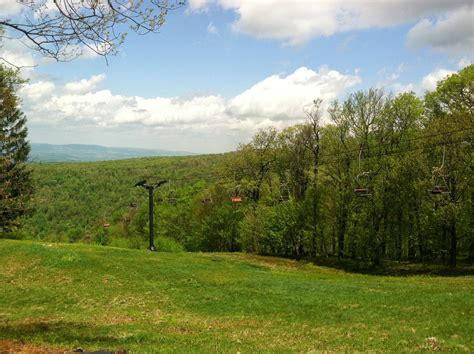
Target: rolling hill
<point x="73" y="200"/>
<point x="79" y="152"/>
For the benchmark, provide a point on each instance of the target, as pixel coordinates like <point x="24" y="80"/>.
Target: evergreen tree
<point x="15" y="178"/>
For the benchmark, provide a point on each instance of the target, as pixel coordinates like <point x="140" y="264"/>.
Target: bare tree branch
<point x="17" y="67"/>
<point x="64" y="28"/>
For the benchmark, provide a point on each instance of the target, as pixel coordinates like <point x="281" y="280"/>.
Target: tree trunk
<point x="421" y="245"/>
<point x="377" y="241"/>
<point x="454" y="243"/>
<point x="399" y="238"/>
<point x="342" y="232"/>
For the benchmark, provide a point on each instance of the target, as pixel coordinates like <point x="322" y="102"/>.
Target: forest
<point x="372" y="178"/>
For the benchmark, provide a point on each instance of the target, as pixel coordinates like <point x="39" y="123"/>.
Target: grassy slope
<point x="106" y="298"/>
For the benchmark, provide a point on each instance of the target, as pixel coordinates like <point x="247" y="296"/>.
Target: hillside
<point x="80" y="152"/>
<point x="61" y="297"/>
<point x="73" y="200"/>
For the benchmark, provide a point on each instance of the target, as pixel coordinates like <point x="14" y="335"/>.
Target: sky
<point x="220" y="70"/>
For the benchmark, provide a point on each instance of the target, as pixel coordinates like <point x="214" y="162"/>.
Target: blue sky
<point x="219" y="70"/>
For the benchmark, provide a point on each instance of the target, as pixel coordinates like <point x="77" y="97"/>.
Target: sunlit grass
<point x="67" y="296"/>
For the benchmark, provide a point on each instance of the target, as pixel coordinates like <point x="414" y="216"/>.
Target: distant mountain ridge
<point x="81" y="153"/>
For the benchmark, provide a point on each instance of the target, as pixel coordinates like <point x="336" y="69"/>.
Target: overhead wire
<point x="337" y="156"/>
<point x="423" y="137"/>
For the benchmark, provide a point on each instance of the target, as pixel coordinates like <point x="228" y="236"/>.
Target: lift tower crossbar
<point x="150" y="187"/>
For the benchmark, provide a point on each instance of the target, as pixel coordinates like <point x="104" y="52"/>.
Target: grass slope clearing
<point x="64" y="296"/>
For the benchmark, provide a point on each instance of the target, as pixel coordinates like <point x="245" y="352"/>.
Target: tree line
<point x="390" y="177"/>
<point x="373" y="177"/>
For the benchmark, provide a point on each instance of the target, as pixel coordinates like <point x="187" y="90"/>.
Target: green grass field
<point x="64" y="296"/>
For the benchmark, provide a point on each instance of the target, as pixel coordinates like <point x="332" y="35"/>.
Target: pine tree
<point x="15" y="177"/>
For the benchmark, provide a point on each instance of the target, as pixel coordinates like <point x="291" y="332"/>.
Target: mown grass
<point x="70" y="295"/>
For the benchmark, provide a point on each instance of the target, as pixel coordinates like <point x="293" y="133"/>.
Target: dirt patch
<point x="8" y="346"/>
<point x="267" y="261"/>
<point x="114" y="319"/>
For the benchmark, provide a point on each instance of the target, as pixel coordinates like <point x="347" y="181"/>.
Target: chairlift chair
<point x="439" y="190"/>
<point x="362" y="190"/>
<point x="236" y="199"/>
<point x="439" y="178"/>
<point x="284" y="194"/>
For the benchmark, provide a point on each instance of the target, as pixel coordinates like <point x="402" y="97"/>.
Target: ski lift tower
<point x="150" y="187"/>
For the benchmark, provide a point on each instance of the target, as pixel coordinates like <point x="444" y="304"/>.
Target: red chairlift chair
<point x="236" y="199"/>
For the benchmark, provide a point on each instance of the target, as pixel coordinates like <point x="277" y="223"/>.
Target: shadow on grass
<point x="68" y="335"/>
<point x="393" y="268"/>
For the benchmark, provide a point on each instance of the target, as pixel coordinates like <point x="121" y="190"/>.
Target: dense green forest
<point x="388" y="178"/>
<point x="73" y="201"/>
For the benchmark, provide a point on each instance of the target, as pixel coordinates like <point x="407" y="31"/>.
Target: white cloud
<point x="452" y="34"/>
<point x="212" y="29"/>
<point x="282" y="98"/>
<point x="199" y="5"/>
<point x="14" y="7"/>
<point x="429" y="81"/>
<point x="397" y="88"/>
<point x="170" y="112"/>
<point x="388" y="76"/>
<point x="296" y="22"/>
<point x="10" y="7"/>
<point x="14" y="54"/>
<point x="463" y="62"/>
<point x="37" y="90"/>
<point x="84" y="86"/>
<point x="275" y="101"/>
<point x="49" y="7"/>
<point x="80" y="52"/>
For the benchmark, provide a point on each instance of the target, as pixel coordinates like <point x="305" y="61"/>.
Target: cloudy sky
<point x="219" y="70"/>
